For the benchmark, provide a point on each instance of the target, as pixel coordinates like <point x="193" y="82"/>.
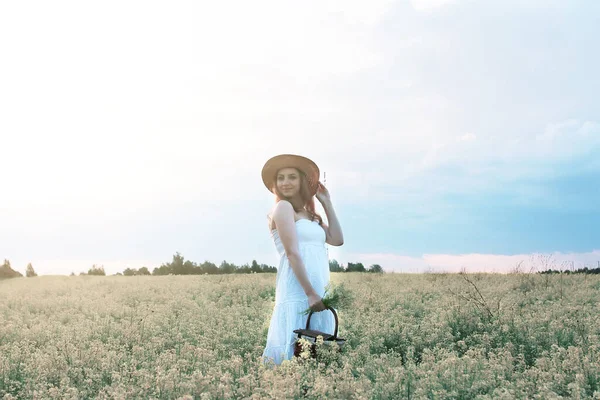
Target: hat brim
<point x="304" y="164"/>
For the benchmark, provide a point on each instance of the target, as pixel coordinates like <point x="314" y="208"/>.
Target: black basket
<point x="312" y="334"/>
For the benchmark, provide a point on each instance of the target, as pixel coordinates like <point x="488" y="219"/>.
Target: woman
<point x="299" y="234"/>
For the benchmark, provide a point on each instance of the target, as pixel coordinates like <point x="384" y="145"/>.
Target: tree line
<point x="6" y="271"/>
<point x="180" y="266"/>
<point x="584" y="270"/>
<point x="334" y="266"/>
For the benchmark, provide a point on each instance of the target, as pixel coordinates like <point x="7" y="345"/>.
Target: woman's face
<point x="288" y="181"/>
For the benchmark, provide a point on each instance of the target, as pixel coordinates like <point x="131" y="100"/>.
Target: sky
<point x="453" y="134"/>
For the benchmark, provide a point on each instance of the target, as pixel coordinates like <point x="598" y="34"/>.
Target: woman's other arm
<point x="333" y="232"/>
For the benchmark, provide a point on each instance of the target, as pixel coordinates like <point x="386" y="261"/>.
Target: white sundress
<point x="290" y="299"/>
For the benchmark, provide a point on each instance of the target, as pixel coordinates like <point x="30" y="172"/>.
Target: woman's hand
<point x="316" y="303"/>
<point x="322" y="193"/>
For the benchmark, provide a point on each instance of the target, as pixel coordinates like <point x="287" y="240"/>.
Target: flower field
<point x="436" y="336"/>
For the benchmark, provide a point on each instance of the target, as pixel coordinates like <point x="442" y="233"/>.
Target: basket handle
<point x="334" y="315"/>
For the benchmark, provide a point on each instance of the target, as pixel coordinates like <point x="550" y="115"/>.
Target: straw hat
<point x="304" y="164"/>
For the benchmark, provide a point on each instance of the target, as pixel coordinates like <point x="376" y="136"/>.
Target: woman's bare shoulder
<point x="281" y="204"/>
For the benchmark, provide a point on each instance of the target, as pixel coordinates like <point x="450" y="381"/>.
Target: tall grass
<point x="408" y="336"/>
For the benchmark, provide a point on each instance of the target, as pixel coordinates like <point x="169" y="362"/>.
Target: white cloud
<point x="467" y="137"/>
<point x="389" y="262"/>
<point x="559" y="141"/>
<point x="171" y="99"/>
<point x="482" y="163"/>
<point x="428" y="5"/>
<point x="567" y="139"/>
<point x="474" y="262"/>
<point x="182" y="103"/>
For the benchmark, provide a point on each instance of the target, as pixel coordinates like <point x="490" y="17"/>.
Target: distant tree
<point x="355" y="267"/>
<point x="376" y="268"/>
<point x="143" y="271"/>
<point x="29" y="272"/>
<point x="334" y="266"/>
<point x="267" y="268"/>
<point x="255" y="267"/>
<point x="118" y="274"/>
<point x="190" y="268"/>
<point x="244" y="269"/>
<point x="129" y="272"/>
<point x="97" y="270"/>
<point x="208" y="267"/>
<point x="227" y="268"/>
<point x="167" y="268"/>
<point x="178" y="266"/>
<point x="6" y="271"/>
<point x="162" y="270"/>
<point x="72" y="273"/>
